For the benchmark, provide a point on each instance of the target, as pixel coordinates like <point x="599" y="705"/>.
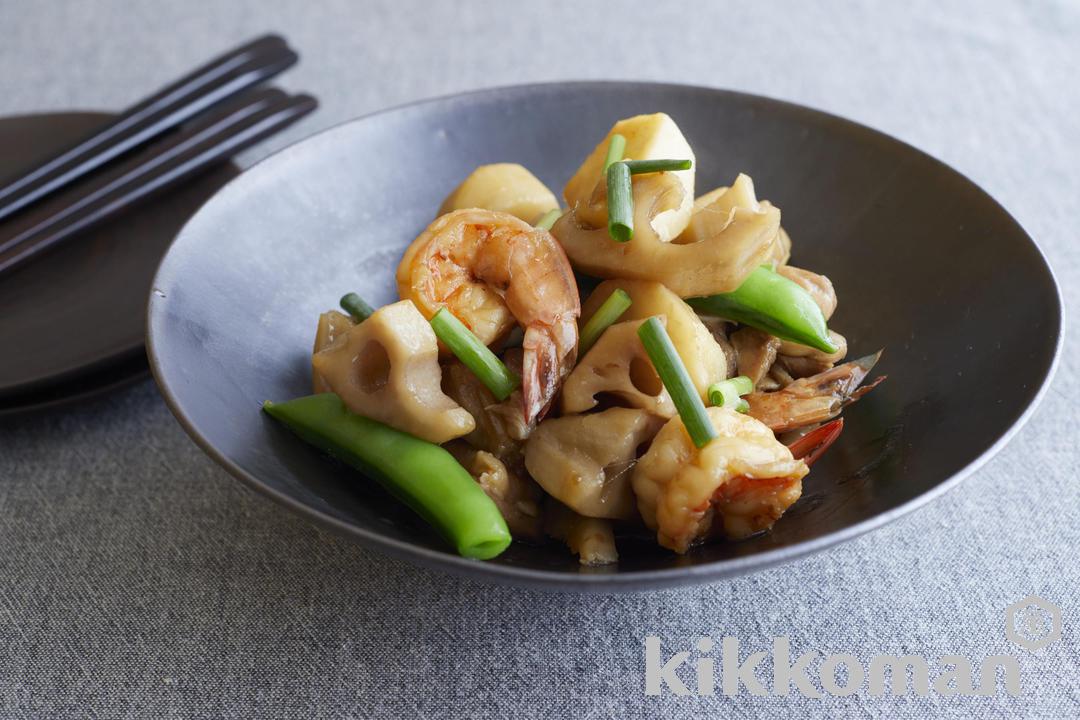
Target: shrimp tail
<point x="816" y="398"/>
<point x="813" y="445"/>
<point x="549" y="354"/>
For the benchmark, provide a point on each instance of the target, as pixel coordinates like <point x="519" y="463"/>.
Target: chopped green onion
<point x="620" y="203"/>
<point x="615" y="149"/>
<point x="621" y="218"/>
<point x="669" y="366"/>
<point x="355" y="306"/>
<point x="637" y="167"/>
<point x="548" y="219"/>
<point x="742" y="406"/>
<point x="605" y="316"/>
<point x="726" y="392"/>
<point x="476" y="356"/>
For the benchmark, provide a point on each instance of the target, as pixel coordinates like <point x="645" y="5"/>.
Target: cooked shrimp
<point x="677" y="484"/>
<point x="816" y="398"/>
<point x="491" y="269"/>
<point x="748" y="506"/>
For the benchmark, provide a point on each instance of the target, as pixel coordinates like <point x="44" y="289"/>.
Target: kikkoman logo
<point x="1032" y="623"/>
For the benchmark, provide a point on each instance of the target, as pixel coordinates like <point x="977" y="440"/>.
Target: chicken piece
<point x="756" y="351"/>
<point x="803" y="361"/>
<point x="500" y="429"/>
<point x="779" y="374"/>
<point x="584" y="461"/>
<point x="719" y="329"/>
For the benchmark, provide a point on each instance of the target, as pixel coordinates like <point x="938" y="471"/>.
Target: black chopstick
<point x="227" y="75"/>
<point x="207" y="140"/>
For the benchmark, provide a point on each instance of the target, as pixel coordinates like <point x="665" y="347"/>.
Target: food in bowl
<point x="686" y="397"/>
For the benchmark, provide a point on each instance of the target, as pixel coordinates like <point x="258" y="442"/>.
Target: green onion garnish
<point x="474" y="354"/>
<point x="726" y="393"/>
<point x="638" y="167"/>
<point x="620" y="203"/>
<point x="620" y="217"/>
<point x="669" y="366"/>
<point x="355" y="306"/>
<point x="604" y="317"/>
<point x="548" y="219"/>
<point x="615" y="149"/>
<point x="742" y="406"/>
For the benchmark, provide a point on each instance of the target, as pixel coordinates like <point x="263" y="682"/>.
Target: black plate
<point x="87" y="385"/>
<point x="926" y="265"/>
<point x="80" y="310"/>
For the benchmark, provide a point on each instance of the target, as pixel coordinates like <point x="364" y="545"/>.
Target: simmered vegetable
<point x="421" y="474"/>
<point x="818" y="286"/>
<point x="617" y="303"/>
<point x="584" y="461"/>
<point x="647" y="137"/>
<point x="502" y="187"/>
<point x="672" y="372"/>
<point x="387" y="368"/>
<point x="356" y="307"/>
<point x="770" y="302"/>
<point x="617" y="368"/>
<point x="332" y="326"/>
<point x="715" y="211"/>
<point x="582" y="430"/>
<point x="703" y="357"/>
<point x="715" y="264"/>
<point x="728" y="393"/>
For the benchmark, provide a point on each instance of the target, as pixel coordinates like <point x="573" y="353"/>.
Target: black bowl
<point x="926" y="265"/>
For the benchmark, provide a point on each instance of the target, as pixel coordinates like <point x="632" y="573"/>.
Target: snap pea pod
<point x="770" y="302"/>
<point x="421" y="474"/>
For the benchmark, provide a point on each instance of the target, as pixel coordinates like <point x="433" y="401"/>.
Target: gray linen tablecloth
<point x="137" y="579"/>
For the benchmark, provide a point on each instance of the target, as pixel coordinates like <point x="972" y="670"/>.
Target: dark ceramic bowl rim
<point x="629" y="580"/>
